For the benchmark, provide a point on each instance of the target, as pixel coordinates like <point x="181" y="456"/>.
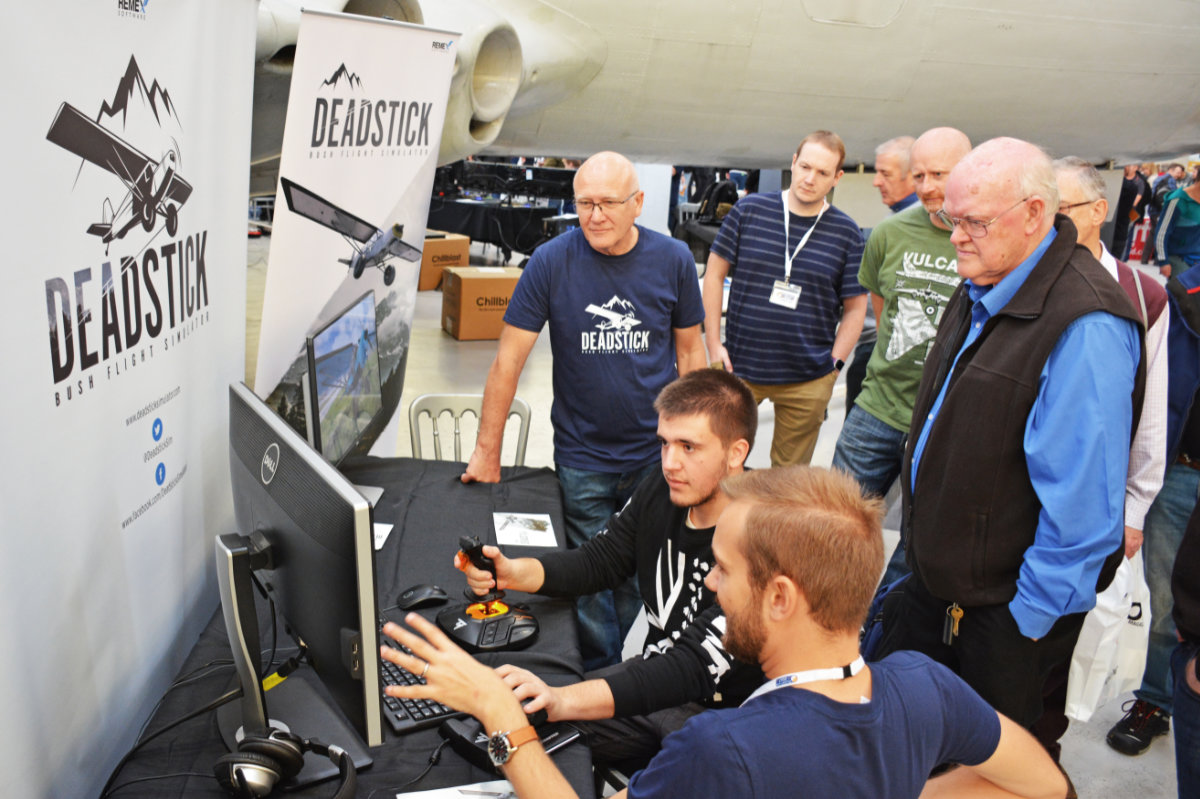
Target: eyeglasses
<point x="585" y="207"/>
<point x="974" y="228"/>
<point x="1062" y="209"/>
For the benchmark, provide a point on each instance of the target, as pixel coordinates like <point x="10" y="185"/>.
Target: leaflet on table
<point x="524" y="529"/>
<point x="382" y="531"/>
<point x="496" y="789"/>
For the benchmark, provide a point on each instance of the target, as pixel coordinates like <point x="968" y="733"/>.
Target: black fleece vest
<point x="974" y="511"/>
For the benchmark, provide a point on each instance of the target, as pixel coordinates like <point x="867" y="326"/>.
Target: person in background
<point x="624" y="311"/>
<point x="795" y="306"/>
<point x="910" y="268"/>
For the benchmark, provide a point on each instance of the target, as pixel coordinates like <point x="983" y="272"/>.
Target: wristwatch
<point x="501" y="745"/>
<point x="838" y="364"/>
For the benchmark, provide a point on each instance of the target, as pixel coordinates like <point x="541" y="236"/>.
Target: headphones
<point x="261" y="763"/>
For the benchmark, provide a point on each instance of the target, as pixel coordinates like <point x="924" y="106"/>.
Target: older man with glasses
<point x="1015" y="468"/>
<point x="624" y="310"/>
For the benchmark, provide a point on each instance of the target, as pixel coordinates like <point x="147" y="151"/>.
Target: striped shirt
<point x="772" y="344"/>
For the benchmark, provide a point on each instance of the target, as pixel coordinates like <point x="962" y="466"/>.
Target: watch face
<point x="498" y="748"/>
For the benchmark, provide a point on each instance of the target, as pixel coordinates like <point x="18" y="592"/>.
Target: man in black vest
<point x="1014" y="473"/>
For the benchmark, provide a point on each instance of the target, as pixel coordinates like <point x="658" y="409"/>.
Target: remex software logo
<point x="132" y="8"/>
<point x="270" y="462"/>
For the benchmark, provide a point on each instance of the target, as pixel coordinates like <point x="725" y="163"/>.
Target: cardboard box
<point x="450" y="249"/>
<point x="474" y="299"/>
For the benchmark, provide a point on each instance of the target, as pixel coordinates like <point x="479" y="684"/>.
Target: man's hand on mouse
<point x="512" y="574"/>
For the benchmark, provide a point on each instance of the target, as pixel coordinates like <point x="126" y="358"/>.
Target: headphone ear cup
<point x="283" y="748"/>
<point x="258" y="784"/>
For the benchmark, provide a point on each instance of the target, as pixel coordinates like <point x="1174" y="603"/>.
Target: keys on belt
<point x="954" y="615"/>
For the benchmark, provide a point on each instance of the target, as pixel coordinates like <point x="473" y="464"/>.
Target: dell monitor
<point x="307" y="534"/>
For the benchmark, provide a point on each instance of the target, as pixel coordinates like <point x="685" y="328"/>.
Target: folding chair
<point x="435" y="405"/>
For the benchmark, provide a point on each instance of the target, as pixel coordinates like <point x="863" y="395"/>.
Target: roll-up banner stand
<point x="126" y="143"/>
<point x="360" y="145"/>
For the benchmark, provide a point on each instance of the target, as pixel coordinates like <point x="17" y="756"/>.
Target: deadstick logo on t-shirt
<point x="616" y="329"/>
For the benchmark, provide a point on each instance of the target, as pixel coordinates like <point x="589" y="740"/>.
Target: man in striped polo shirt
<point x="795" y="305"/>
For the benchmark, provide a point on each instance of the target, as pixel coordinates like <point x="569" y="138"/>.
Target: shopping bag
<point x="1110" y="654"/>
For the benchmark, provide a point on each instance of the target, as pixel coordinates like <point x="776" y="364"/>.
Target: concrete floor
<point x="440" y="364"/>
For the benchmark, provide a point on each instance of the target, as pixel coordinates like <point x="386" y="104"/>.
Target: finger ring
<point x="424" y="669"/>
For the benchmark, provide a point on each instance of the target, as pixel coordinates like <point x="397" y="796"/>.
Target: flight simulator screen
<point x="343" y="363"/>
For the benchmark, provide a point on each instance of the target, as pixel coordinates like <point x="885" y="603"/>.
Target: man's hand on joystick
<point x="481" y="570"/>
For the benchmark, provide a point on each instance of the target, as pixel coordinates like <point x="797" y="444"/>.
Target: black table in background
<point x="512" y="228"/>
<point x="430" y="509"/>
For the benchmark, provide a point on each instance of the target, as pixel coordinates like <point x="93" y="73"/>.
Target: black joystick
<point x="487" y="624"/>
<point x="473" y="549"/>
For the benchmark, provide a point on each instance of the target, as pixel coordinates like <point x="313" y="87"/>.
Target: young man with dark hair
<point x="798" y="552"/>
<point x="662" y="537"/>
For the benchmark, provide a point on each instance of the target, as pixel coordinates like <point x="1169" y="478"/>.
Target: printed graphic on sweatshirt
<point x="679" y="589"/>
<point x="923" y="287"/>
<point x="616" y="329"/>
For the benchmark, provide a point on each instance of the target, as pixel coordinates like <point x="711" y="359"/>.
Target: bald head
<point x="1003" y="195"/>
<point x="608" y="201"/>
<point x="612" y="169"/>
<point x="1012" y="168"/>
<point x="951" y="142"/>
<point x="933" y="155"/>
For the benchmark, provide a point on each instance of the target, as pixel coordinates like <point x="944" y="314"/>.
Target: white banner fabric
<point x="360" y="145"/>
<point x="125" y="211"/>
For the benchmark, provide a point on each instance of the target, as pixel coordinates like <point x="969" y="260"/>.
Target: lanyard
<point x="814" y="675"/>
<point x="787" y="264"/>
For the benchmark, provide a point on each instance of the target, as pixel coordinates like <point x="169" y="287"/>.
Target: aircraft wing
<point x="76" y="132"/>
<point x="402" y="249"/>
<point x="179" y="190"/>
<point x="311" y="206"/>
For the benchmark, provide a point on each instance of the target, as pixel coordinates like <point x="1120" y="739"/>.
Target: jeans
<point x="1186" y="724"/>
<point x="1165" y="523"/>
<point x="870" y="451"/>
<point x="857" y="370"/>
<point x="589" y="499"/>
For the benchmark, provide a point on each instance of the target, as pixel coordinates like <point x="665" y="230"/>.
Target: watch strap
<point x="518" y="738"/>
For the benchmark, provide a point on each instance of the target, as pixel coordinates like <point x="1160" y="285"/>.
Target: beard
<point x="745" y="633"/>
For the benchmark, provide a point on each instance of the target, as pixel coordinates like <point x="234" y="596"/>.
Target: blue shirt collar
<point x="900" y="205"/>
<point x="996" y="296"/>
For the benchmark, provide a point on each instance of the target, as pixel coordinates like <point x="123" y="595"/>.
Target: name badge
<point x="785" y="294"/>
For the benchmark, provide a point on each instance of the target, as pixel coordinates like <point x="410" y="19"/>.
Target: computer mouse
<point x="420" y="596"/>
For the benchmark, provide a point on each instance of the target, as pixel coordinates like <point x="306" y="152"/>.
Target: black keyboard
<point x="409" y="715"/>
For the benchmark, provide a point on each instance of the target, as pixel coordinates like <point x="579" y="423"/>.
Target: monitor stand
<point x="297" y="705"/>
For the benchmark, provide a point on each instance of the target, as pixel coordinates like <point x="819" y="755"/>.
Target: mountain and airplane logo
<point x="616" y="314"/>
<point x="134" y="138"/>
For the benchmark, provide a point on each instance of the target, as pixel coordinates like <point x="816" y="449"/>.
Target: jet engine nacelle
<point x="487" y="74"/>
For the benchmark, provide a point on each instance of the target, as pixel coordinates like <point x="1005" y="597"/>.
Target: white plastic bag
<point x="1110" y="655"/>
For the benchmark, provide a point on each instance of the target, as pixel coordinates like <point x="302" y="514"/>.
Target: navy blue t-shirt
<point x="612" y="322"/>
<point x="794" y="742"/>
<point x="768" y="343"/>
